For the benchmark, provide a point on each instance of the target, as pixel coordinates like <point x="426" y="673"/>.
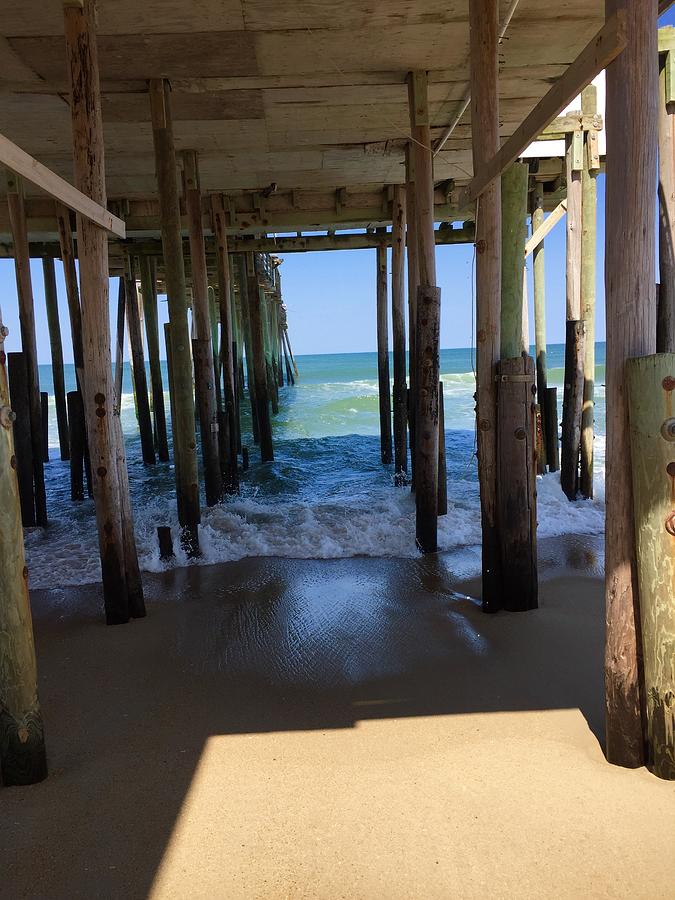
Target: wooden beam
<point x="398" y="330"/>
<point x="605" y="47"/>
<point x="630" y="292"/>
<point x="29" y="168"/>
<point x="546" y="227"/>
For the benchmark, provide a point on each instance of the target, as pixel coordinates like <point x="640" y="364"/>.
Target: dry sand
<point x="328" y="729"/>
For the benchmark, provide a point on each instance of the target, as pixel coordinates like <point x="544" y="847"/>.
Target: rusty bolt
<point x="520" y="434"/>
<point x="481" y="246"/>
<point x="481" y="335"/>
<point x="670" y="524"/>
<point x="484" y="425"/>
<point x="100" y="412"/>
<point x="668" y="383"/>
<point x="670" y="469"/>
<point x="668" y="430"/>
<point x="99" y="399"/>
<point x="101" y="471"/>
<point x="12" y="462"/>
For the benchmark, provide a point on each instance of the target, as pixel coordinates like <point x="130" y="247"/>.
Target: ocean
<point x="326" y="495"/>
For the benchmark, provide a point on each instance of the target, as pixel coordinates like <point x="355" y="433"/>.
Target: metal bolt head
<point x="668" y="430"/>
<point x="7" y="416"/>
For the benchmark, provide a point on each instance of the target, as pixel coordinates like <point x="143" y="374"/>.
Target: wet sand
<point x="349" y="728"/>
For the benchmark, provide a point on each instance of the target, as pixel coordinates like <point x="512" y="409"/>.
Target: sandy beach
<point x="347" y="728"/>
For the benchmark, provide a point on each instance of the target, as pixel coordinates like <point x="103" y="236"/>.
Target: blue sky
<point x="331" y="295"/>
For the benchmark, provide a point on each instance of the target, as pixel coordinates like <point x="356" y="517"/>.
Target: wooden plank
<point x="605" y="47"/>
<point x="545" y="228"/>
<point x="29" y="168"/>
<point x="651" y="390"/>
<point x="630" y="299"/>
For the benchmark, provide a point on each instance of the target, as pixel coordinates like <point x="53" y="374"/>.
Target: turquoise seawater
<point x="325" y="495"/>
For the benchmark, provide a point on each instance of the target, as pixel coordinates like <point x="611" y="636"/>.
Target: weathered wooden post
<point x="20" y="395"/>
<point x="138" y="362"/>
<point x="398" y="329"/>
<point x="149" y="294"/>
<point x="248" y="345"/>
<point x="573" y="399"/>
<point x="516" y="424"/>
<point x="651" y="400"/>
<point x="202" y="345"/>
<point x="539" y="280"/>
<point x="72" y="289"/>
<point x="383" y="385"/>
<point x="54" y="326"/>
<point x="122" y="590"/>
<point x="76" y="430"/>
<point x="442" y="468"/>
<point x="227" y="353"/>
<point x="23" y="759"/>
<point x="17" y="219"/>
<point x="484" y="19"/>
<point x="630" y="292"/>
<point x="589" y="106"/>
<point x="44" y="424"/>
<point x="413" y="281"/>
<point x="262" y="401"/>
<point x="665" y="322"/>
<point x="574" y="340"/>
<point x="551" y="424"/>
<point x="119" y="343"/>
<point x="428" y="314"/>
<point x="183" y="410"/>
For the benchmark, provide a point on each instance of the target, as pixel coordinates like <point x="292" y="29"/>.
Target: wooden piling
<point x="119" y="343"/>
<point x="514" y="234"/>
<point x="23" y="758"/>
<point x="44" y="424"/>
<point x="398" y="331"/>
<point x="665" y="321"/>
<point x="202" y="345"/>
<point x="54" y="326"/>
<point x="17" y="219"/>
<point x="383" y="384"/>
<point x="149" y="294"/>
<point x="484" y="19"/>
<point x="651" y="401"/>
<point x="573" y="399"/>
<point x="227" y="345"/>
<point x="20" y="402"/>
<point x="539" y="278"/>
<point x="183" y="410"/>
<point x="122" y="590"/>
<point x="551" y="424"/>
<point x="72" y="289"/>
<point x="138" y="364"/>
<point x="517" y="483"/>
<point x="413" y="281"/>
<point x="589" y="106"/>
<point x="442" y="468"/>
<point x="262" y="402"/>
<point x="77" y="444"/>
<point x="427" y="380"/>
<point x="630" y="299"/>
<point x="165" y="542"/>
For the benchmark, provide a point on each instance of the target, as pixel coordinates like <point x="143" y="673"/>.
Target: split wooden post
<point x="573" y="401"/>
<point x="138" y="364"/>
<point x="484" y="23"/>
<point x="398" y="329"/>
<point x="227" y="353"/>
<point x="262" y="401"/>
<point x="589" y="106"/>
<point x="517" y="483"/>
<point x="428" y="314"/>
<point x="413" y="281"/>
<point x="630" y="292"/>
<point x="383" y="384"/>
<point x="17" y="218"/>
<point x="122" y="589"/>
<point x="54" y="326"/>
<point x="539" y="279"/>
<point x="23" y="759"/>
<point x="149" y="294"/>
<point x="665" y="322"/>
<point x="183" y="411"/>
<point x="575" y="343"/>
<point x="651" y="400"/>
<point x="514" y="234"/>
<point x="202" y="344"/>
